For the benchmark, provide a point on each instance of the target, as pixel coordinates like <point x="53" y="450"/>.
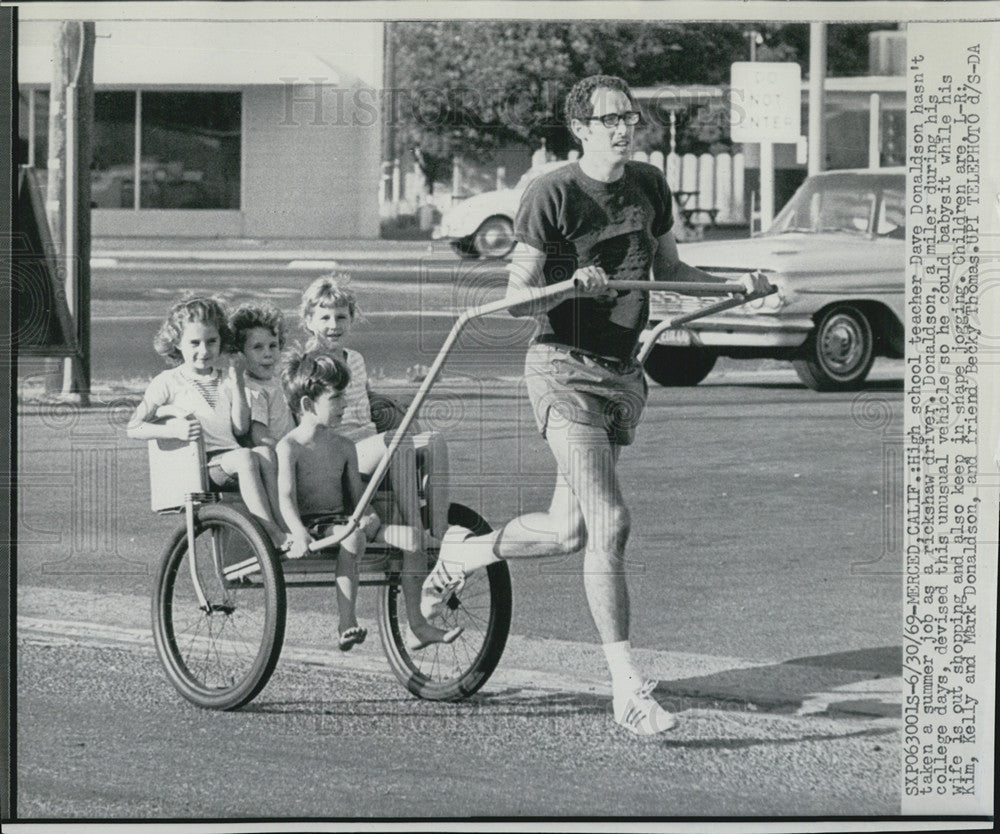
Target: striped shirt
<point x="208" y="388"/>
<point x="175" y="387"/>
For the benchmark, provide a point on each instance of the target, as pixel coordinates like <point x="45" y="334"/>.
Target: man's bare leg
<point x="559" y="530"/>
<point x="586" y="510"/>
<point x="587" y="463"/>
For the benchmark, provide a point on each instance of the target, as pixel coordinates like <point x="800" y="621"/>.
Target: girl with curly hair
<point x="204" y="396"/>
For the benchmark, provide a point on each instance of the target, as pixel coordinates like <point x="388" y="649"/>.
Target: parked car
<point x="483" y="225"/>
<point x="836" y="253"/>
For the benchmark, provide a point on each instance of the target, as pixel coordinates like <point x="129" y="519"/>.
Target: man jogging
<point x="601" y="219"/>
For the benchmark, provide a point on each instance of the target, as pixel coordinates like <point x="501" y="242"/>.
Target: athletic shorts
<point x="319" y="525"/>
<point x="576" y="386"/>
<point x="220" y="479"/>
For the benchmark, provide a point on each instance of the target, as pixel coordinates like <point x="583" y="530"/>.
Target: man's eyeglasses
<point x="630" y="117"/>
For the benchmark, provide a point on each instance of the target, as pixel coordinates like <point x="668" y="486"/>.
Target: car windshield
<point x="824" y="204"/>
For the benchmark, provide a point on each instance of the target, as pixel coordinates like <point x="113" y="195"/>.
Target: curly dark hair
<point x="248" y="316"/>
<point x="206" y="310"/>
<point x="311" y="373"/>
<point x="578" y="104"/>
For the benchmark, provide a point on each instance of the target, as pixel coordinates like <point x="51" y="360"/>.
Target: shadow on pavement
<point x="781" y="688"/>
<point x="785" y="687"/>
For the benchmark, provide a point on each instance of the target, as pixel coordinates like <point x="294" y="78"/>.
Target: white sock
<point x="625" y="675"/>
<point x="472" y="553"/>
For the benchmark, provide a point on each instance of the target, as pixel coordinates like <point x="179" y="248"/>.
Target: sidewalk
<point x="122" y="252"/>
<point x="184" y="247"/>
<point x="109" y="253"/>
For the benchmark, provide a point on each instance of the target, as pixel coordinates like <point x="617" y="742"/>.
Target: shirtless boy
<point x="318" y="480"/>
<point x="319" y="486"/>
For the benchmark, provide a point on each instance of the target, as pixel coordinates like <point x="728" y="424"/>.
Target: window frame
<point x="136" y="207"/>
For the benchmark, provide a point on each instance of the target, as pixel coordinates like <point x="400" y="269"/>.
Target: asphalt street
<point x="337" y="743"/>
<point x="407" y="308"/>
<point x="765" y="582"/>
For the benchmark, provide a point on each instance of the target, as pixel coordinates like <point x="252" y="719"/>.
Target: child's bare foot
<point x="425" y="635"/>
<point x="351" y="637"/>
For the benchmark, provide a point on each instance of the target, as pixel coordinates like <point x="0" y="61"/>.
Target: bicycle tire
<point x="455" y="671"/>
<point x="223" y="657"/>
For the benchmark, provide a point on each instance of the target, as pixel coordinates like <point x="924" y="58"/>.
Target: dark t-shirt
<point x="578" y="221"/>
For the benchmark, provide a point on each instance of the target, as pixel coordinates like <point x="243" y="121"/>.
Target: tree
<point x="467" y="88"/>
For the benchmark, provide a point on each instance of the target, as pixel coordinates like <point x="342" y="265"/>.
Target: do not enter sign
<point x="765" y="102"/>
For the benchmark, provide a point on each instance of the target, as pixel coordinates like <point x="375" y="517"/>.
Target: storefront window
<point x="112" y="177"/>
<point x="189" y="143"/>
<point x="190" y="147"/>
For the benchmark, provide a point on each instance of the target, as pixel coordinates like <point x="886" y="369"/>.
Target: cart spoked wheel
<point x="483" y="607"/>
<point x="219" y="654"/>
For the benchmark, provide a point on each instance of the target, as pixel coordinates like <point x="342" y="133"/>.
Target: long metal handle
<point x="528" y="297"/>
<point x="684" y="318"/>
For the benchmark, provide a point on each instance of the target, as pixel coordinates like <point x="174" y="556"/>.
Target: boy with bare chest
<point x="319" y="485"/>
<point x="318" y="480"/>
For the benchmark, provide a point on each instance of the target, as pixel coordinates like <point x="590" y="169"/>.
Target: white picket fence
<point x="707" y="181"/>
<point x="711" y="181"/>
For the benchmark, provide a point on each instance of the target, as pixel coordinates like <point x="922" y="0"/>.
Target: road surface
<point x="765" y="583"/>
<point x="765" y="592"/>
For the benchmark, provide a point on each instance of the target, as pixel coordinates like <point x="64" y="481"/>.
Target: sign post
<point x="765" y="108"/>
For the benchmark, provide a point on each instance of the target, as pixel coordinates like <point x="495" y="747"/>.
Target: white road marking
<point x="313" y="265"/>
<point x="381" y="314"/>
<point x="885" y="693"/>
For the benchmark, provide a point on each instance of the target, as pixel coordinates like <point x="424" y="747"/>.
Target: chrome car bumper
<point x="732" y="331"/>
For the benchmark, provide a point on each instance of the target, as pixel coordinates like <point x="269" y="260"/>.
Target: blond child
<point x="205" y="396"/>
<point x="328" y="311"/>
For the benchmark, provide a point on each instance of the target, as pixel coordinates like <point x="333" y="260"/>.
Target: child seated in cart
<point x="205" y="396"/>
<point x="259" y="335"/>
<point x="328" y="311"/>
<point x="319" y="485"/>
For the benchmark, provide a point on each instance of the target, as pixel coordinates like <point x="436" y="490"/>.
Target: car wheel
<point x="839" y="353"/>
<point x="677" y="366"/>
<point x="494" y="238"/>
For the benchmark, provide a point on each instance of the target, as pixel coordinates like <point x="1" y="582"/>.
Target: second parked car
<point x="836" y="253"/>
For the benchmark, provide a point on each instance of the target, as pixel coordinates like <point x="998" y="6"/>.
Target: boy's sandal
<point x="415" y="644"/>
<point x="351" y="638"/>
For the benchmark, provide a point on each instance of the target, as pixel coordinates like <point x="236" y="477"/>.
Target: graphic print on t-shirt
<point x="578" y="221"/>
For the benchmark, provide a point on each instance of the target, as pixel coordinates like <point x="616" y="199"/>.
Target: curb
<point x="104" y="393"/>
<point x="528" y="664"/>
<point x="110" y="259"/>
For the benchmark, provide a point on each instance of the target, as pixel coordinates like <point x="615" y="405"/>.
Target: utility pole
<point x="71" y="117"/>
<point x="389" y="153"/>
<point x="817" y="105"/>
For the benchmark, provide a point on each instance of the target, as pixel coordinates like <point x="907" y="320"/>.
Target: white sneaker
<point x="446" y="578"/>
<point x="638" y="713"/>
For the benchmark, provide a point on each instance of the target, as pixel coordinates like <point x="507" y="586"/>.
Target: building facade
<point x="250" y="129"/>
